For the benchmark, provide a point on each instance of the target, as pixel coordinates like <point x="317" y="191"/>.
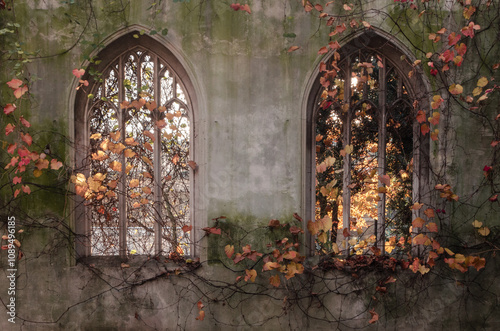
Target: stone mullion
<point x="157" y="163"/>
<point x="346" y="182"/>
<point x="122" y="196"/>
<point x="382" y="131"/>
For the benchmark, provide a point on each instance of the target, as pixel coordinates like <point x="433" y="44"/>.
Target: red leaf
<point x="15" y="83"/>
<point x="187" y="228"/>
<point x="235" y="6"/>
<point x="374" y="316"/>
<point x="26" y="189"/>
<point x="78" y="72"/>
<point x="323" y="50"/>
<point x="16" y="180"/>
<point x="24" y="122"/>
<point x="453" y="38"/>
<point x="9" y="128"/>
<point x="246" y="8"/>
<point x="424" y="129"/>
<point x="11" y="148"/>
<point x="461" y="49"/>
<point x="9" y="108"/>
<point x="421" y="116"/>
<point x="26" y="138"/>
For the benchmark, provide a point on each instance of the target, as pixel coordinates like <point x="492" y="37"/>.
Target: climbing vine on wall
<point x="427" y="247"/>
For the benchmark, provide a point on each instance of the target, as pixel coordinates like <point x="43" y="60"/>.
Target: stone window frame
<point x="418" y="86"/>
<point x="120" y="44"/>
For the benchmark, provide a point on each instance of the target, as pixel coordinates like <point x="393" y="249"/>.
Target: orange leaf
<point x="456" y="89"/>
<point x="251" y="275"/>
<point x="421" y="116"/>
<point x="187" y="228"/>
<point x="229" y="250"/>
<point x="424" y="128"/>
<point x="275" y="280"/>
<point x="134" y="183"/>
<point x="201" y="315"/>
<point x="429" y="212"/>
<point x="432" y="227"/>
<point x="20" y="91"/>
<point x="9" y="128"/>
<point x="55" y="165"/>
<point x="418" y="222"/>
<point x="374" y="316"/>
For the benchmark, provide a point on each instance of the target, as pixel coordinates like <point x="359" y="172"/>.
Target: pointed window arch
<point x="366" y="156"/>
<point x="135" y="145"/>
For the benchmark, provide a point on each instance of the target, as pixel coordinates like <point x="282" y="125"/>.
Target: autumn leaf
<point x="26" y="138"/>
<point x="133" y="183"/>
<point x="374" y="316"/>
<point x="187" y="228"/>
<point x="9" y="129"/>
<point x="78" y="72"/>
<point x="469" y="29"/>
<point x="453" y="38"/>
<point x="424" y="128"/>
<point x="270" y="265"/>
<point x="201" y="315"/>
<point x="192" y="165"/>
<point x="9" y="108"/>
<point x="456" y="89"/>
<point x="15" y="83"/>
<point x="418" y="222"/>
<point x="436" y="101"/>
<point x="250" y="275"/>
<point x="229" y="250"/>
<point x="275" y="280"/>
<point x="432" y="227"/>
<point x="482" y="82"/>
<point x="421" y="116"/>
<point x="26" y="189"/>
<point x="55" y="164"/>
<point x="484" y="231"/>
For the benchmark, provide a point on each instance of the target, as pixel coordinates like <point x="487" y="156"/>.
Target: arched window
<point x="136" y="137"/>
<point x="365" y="145"/>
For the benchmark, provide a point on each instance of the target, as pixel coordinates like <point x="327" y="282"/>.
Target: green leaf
<point x="164" y="32"/>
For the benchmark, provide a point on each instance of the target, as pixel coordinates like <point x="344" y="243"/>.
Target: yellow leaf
<point x="456" y="89"/>
<point x="477" y="91"/>
<point x="128" y="153"/>
<point x="229" y="250"/>
<point x="449" y="252"/>
<point x="477" y="224"/>
<point x="95" y="136"/>
<point x="482" y="82"/>
<point x="134" y="183"/>
<point x="484" y="231"/>
<point x="251" y="275"/>
<point x="116" y="166"/>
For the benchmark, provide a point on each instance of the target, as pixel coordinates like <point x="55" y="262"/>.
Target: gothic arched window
<point x="365" y="147"/>
<point x="137" y="154"/>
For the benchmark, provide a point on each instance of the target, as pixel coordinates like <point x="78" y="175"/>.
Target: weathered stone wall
<point x="250" y="151"/>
